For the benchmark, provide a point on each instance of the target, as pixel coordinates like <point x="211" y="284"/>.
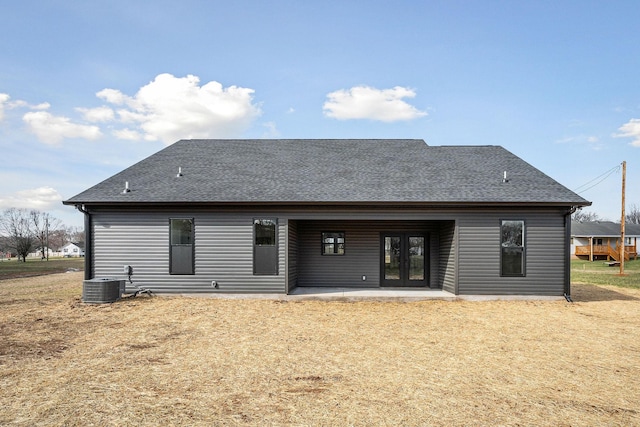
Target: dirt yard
<point x="198" y="361"/>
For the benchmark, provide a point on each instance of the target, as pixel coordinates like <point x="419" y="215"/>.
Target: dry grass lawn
<point x="198" y="361"/>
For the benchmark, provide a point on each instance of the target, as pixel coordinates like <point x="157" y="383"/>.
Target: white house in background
<point x="47" y="253"/>
<point x="73" y="250"/>
<point x="601" y="240"/>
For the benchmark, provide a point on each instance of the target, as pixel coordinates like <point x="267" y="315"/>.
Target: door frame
<point x="404" y="281"/>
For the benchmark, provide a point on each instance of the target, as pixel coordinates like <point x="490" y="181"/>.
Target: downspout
<point x="88" y="246"/>
<point x="567" y="253"/>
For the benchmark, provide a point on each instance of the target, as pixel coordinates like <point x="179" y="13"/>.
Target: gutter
<point x="88" y="243"/>
<point x="331" y="204"/>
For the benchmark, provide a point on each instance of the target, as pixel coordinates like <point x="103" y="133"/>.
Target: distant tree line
<point x="23" y="231"/>
<point x="632" y="215"/>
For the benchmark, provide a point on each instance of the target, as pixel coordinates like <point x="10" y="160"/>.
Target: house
<point x="601" y="240"/>
<point x="272" y="215"/>
<point x="71" y="250"/>
<point x="41" y="252"/>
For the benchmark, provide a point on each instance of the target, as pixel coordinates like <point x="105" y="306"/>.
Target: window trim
<point x="334" y="253"/>
<point x="523" y="266"/>
<point x="192" y="244"/>
<point x="262" y="249"/>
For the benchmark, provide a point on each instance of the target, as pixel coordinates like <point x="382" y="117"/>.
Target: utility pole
<point x="622" y="248"/>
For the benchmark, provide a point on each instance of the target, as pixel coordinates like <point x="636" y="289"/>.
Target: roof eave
<point x="447" y="204"/>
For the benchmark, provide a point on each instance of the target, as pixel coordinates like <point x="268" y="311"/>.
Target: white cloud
<point x="364" y="102"/>
<point x="41" y="106"/>
<point x="172" y="108"/>
<point x="113" y="96"/>
<point x="128" y="134"/>
<point x="99" y="114"/>
<point x="592" y="142"/>
<point x="5" y="104"/>
<point x="52" y="129"/>
<point x="41" y="198"/>
<point x="127" y="116"/>
<point x="4" y="99"/>
<point x="631" y="129"/>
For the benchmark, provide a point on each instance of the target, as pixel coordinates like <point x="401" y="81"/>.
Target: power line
<point x="601" y="178"/>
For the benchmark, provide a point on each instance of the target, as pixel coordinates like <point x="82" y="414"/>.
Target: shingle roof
<point x="329" y="171"/>
<point x="602" y="229"/>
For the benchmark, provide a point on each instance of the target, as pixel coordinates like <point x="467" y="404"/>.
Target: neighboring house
<point x="601" y="240"/>
<point x="48" y="252"/>
<point x="73" y="250"/>
<point x="272" y="215"/>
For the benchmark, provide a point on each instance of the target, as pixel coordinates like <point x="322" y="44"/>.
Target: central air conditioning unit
<point x="102" y="290"/>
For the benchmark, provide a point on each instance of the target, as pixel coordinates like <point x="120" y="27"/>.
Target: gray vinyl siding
<point x="362" y="252"/>
<point x="292" y="255"/>
<point x="479" y="254"/>
<point x="447" y="257"/>
<point x="223" y="252"/>
<point x="464" y="252"/>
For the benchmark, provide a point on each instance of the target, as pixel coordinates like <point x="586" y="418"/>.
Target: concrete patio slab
<point x="368" y="294"/>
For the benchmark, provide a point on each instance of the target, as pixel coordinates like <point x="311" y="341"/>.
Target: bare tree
<point x="4" y="245"/>
<point x="75" y="234"/>
<point x="58" y="238"/>
<point x="42" y="223"/>
<point x="582" y="216"/>
<point x="16" y="226"/>
<point x="633" y="217"/>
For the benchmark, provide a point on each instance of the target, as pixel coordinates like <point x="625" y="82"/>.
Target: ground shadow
<point x="591" y="293"/>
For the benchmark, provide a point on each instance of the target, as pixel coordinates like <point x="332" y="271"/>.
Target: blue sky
<point x="89" y="88"/>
